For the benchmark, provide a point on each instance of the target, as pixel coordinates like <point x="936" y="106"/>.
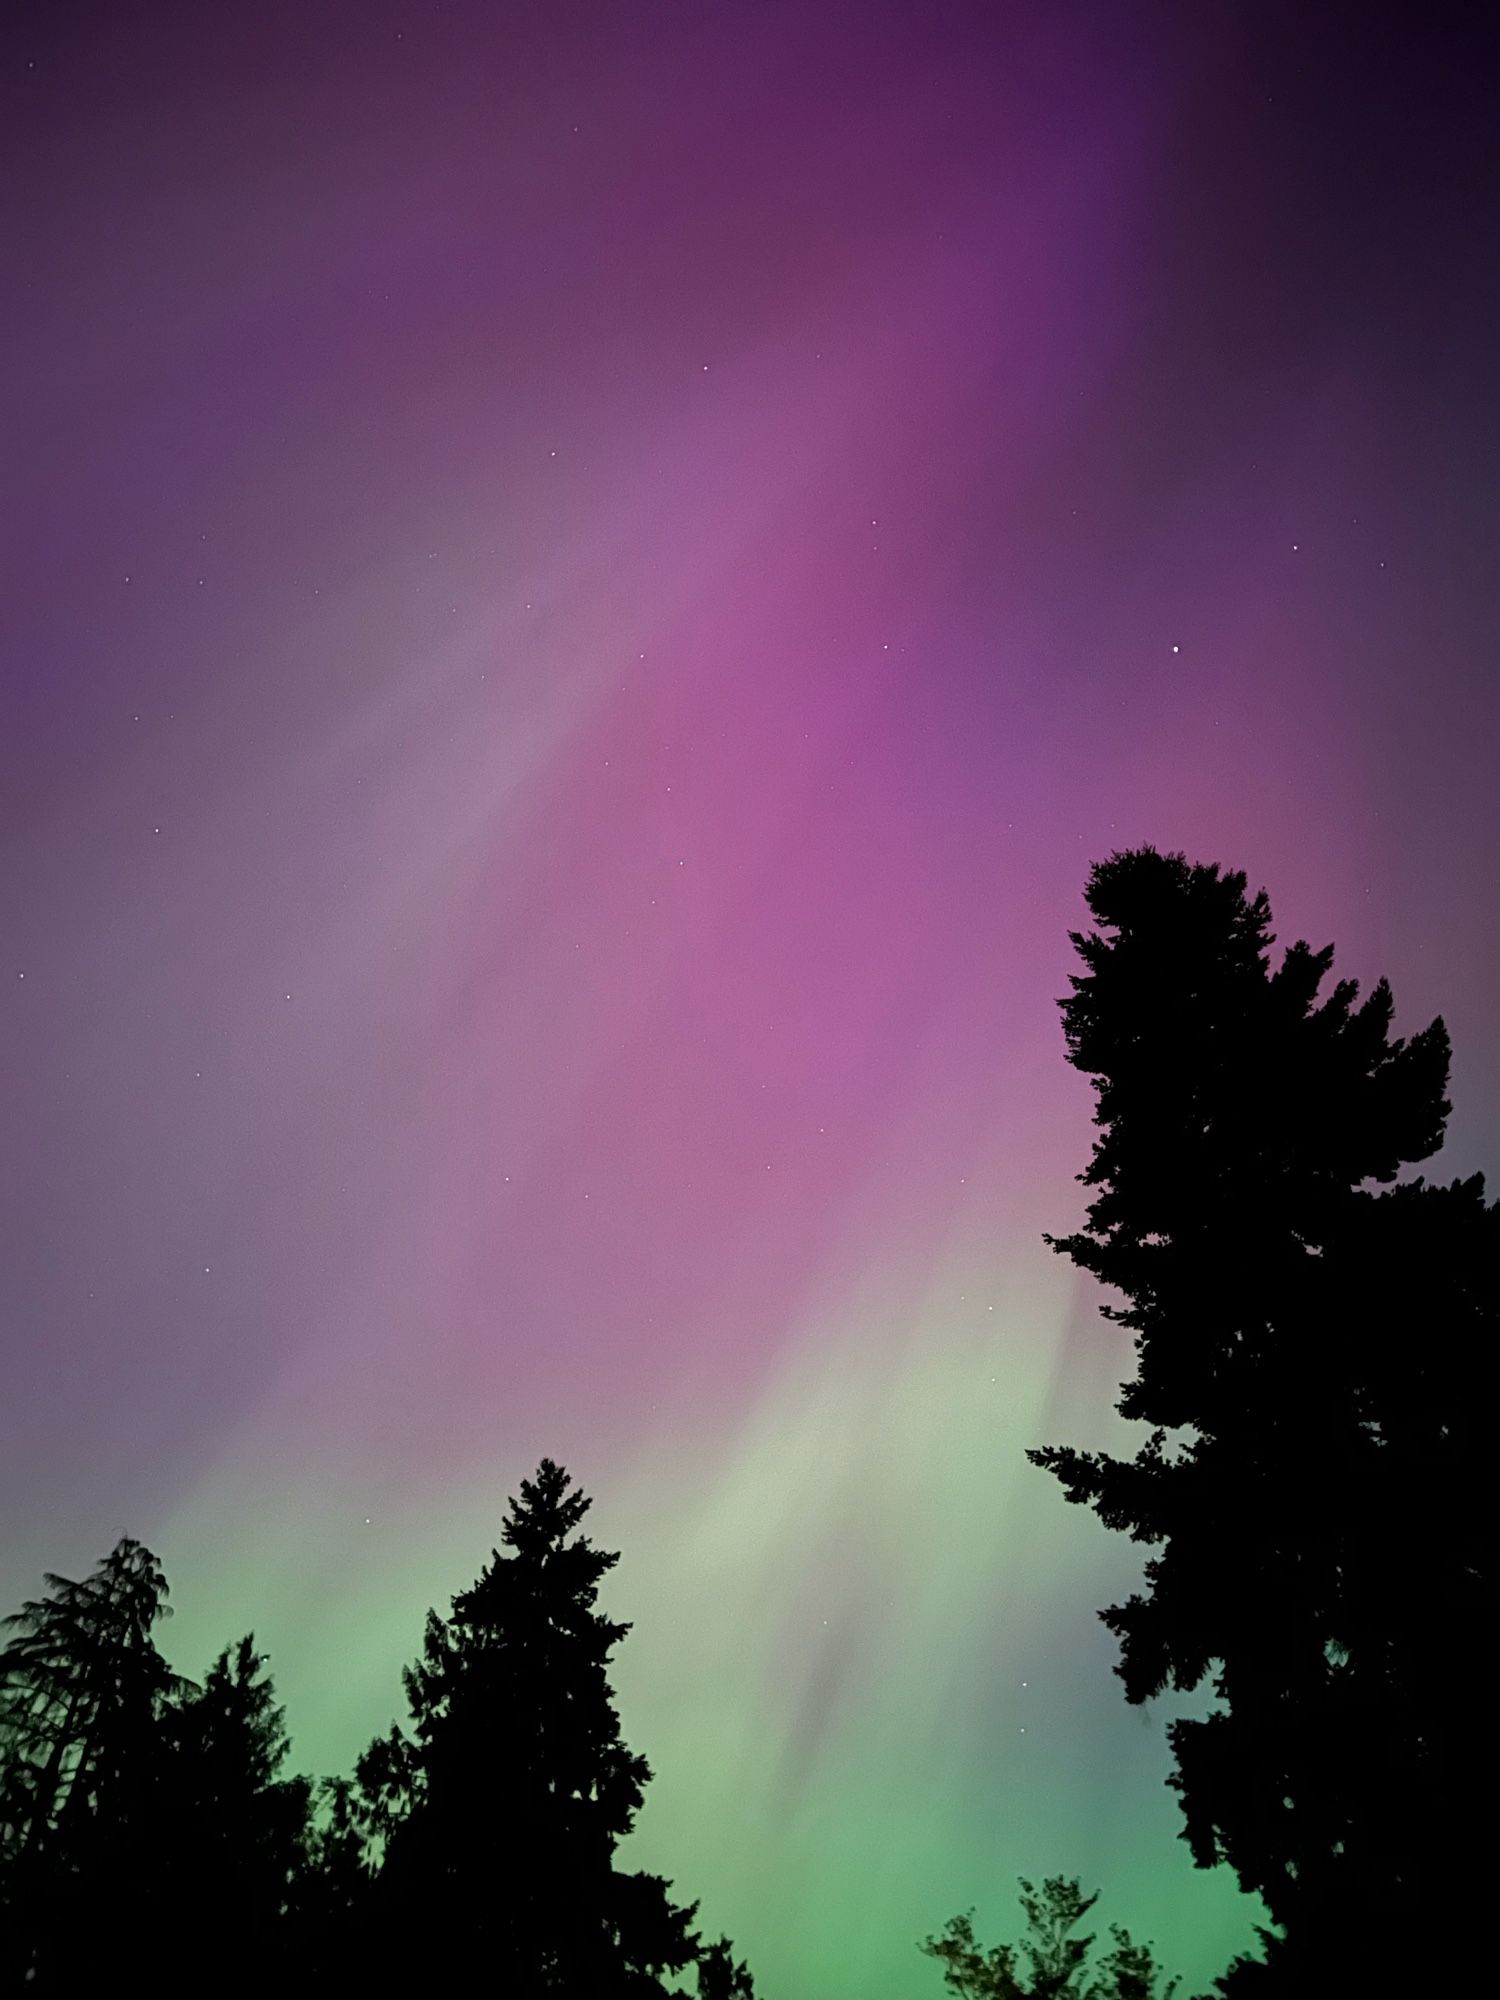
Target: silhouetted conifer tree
<point x="1050" y="1963"/>
<point x="497" y="1817"/>
<point x="1315" y="1359"/>
<point x="720" y="1977"/>
<point x="82" y="1688"/>
<point x="328" y="1905"/>
<point x="234" y="1831"/>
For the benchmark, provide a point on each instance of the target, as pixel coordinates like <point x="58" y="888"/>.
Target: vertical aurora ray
<point x="659" y="546"/>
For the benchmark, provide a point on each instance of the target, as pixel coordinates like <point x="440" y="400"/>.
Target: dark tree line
<point x="1315" y="1359"/>
<point x="145" y="1820"/>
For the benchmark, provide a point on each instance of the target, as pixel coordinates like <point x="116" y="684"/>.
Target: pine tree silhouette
<point x="497" y="1816"/>
<point x="327" y="1926"/>
<point x="82" y="1687"/>
<point x="1313" y="1357"/>
<point x="234" y="1832"/>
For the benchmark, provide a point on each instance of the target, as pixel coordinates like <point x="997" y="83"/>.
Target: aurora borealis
<point x="582" y="584"/>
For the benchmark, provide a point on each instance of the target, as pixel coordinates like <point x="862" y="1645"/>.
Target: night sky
<point x="581" y="586"/>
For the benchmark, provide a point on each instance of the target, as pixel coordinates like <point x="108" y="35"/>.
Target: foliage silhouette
<point x="329" y="1896"/>
<point x="1313" y="1358"/>
<point x="720" y="1977"/>
<point x="1055" y="1961"/>
<point x="495" y="1820"/>
<point x="141" y="1812"/>
<point x="234" y="1833"/>
<point x="82" y="1689"/>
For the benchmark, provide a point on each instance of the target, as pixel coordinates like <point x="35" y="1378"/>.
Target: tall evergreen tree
<point x="82" y="1690"/>
<point x="233" y="1830"/>
<point x="326" y="1930"/>
<point x="497" y="1816"/>
<point x="1313" y="1358"/>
